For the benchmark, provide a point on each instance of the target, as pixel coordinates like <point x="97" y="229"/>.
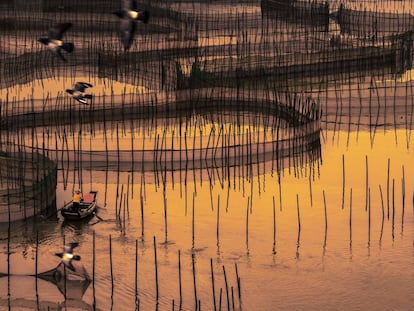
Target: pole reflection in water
<point x="312" y="213"/>
<point x="346" y="235"/>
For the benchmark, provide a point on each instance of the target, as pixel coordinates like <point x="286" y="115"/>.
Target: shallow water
<point x="356" y="256"/>
<point x="364" y="265"/>
<point x="335" y="232"/>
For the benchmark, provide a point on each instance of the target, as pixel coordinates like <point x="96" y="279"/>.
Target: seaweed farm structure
<point x="313" y="13"/>
<point x="199" y="47"/>
<point x="27" y="184"/>
<point x="229" y="60"/>
<point x="210" y="130"/>
<point x="281" y="131"/>
<point x="372" y="24"/>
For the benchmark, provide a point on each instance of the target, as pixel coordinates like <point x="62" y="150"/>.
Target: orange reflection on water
<point x="311" y="261"/>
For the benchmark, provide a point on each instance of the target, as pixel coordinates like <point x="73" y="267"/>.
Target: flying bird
<point x="78" y="92"/>
<point x="129" y="16"/>
<point x="54" y="41"/>
<point x="67" y="255"/>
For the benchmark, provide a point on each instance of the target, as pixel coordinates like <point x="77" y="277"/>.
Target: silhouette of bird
<point x="54" y="40"/>
<point x="67" y="255"/>
<point x="78" y="92"/>
<point x="129" y="15"/>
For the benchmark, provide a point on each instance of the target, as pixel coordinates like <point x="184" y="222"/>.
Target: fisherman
<point x="77" y="197"/>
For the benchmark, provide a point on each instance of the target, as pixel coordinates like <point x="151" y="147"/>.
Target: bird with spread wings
<point x="78" y="92"/>
<point x="67" y="255"/>
<point x="54" y="42"/>
<point x="129" y="15"/>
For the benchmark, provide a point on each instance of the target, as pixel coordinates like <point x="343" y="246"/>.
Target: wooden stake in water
<point x="326" y="220"/>
<point x="136" y="276"/>
<point x="218" y="224"/>
<point x="227" y="289"/>
<point x="388" y="190"/>
<point x="120" y="205"/>
<point x="383" y="214"/>
<point x="350" y="218"/>
<point x="193" y="225"/>
<point x="64" y="271"/>
<point x="247" y="225"/>
<point x="369" y="216"/>
<point x="343" y="181"/>
<point x="274" y="227"/>
<point x="156" y="272"/>
<point x="220" y="298"/>
<point x="110" y="267"/>
<point x="298" y="240"/>
<point x="298" y="210"/>
<point x="212" y="284"/>
<point x="8" y="257"/>
<point x="393" y="209"/>
<point x="142" y="216"/>
<point x="403" y="200"/>
<point x="194" y="279"/>
<point x="238" y="286"/>
<point x="179" y="279"/>
<point x="232" y="298"/>
<point x="93" y="268"/>
<point x="37" y="265"/>
<point x="165" y="213"/>
<point x="310" y="190"/>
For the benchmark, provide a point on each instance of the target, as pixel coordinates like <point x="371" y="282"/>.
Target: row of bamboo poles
<point x="226" y="293"/>
<point x="268" y="51"/>
<point x="387" y="194"/>
<point x="151" y="66"/>
<point x="388" y="210"/>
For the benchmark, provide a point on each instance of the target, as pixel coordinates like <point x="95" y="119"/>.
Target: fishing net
<point x="27" y="184"/>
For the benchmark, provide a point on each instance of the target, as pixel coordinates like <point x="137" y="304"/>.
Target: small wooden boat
<point x="86" y="207"/>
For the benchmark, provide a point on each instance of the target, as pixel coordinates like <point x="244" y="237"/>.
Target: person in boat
<point x="77" y="197"/>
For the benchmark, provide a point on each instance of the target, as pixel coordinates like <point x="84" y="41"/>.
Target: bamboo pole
<point x="247" y="226"/>
<point x="136" y="276"/>
<point x="383" y="215"/>
<point x="227" y="289"/>
<point x="93" y="268"/>
<point x="403" y="200"/>
<point x="326" y="220"/>
<point x="393" y="209"/>
<point x="156" y="272"/>
<point x="350" y="218"/>
<point x="343" y="181"/>
<point x="179" y="280"/>
<point x="193" y="225"/>
<point x="212" y="285"/>
<point x="274" y="226"/>
<point x="366" y="183"/>
<point x="218" y="223"/>
<point x="238" y="286"/>
<point x="111" y="270"/>
<point x="369" y="217"/>
<point x="194" y="279"/>
<point x="299" y="228"/>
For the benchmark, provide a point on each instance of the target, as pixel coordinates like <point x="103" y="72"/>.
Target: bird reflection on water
<point x="72" y="285"/>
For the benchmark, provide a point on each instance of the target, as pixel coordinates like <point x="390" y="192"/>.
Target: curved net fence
<point x="190" y="44"/>
<point x="234" y="58"/>
<point x="27" y="184"/>
<point x="148" y="133"/>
